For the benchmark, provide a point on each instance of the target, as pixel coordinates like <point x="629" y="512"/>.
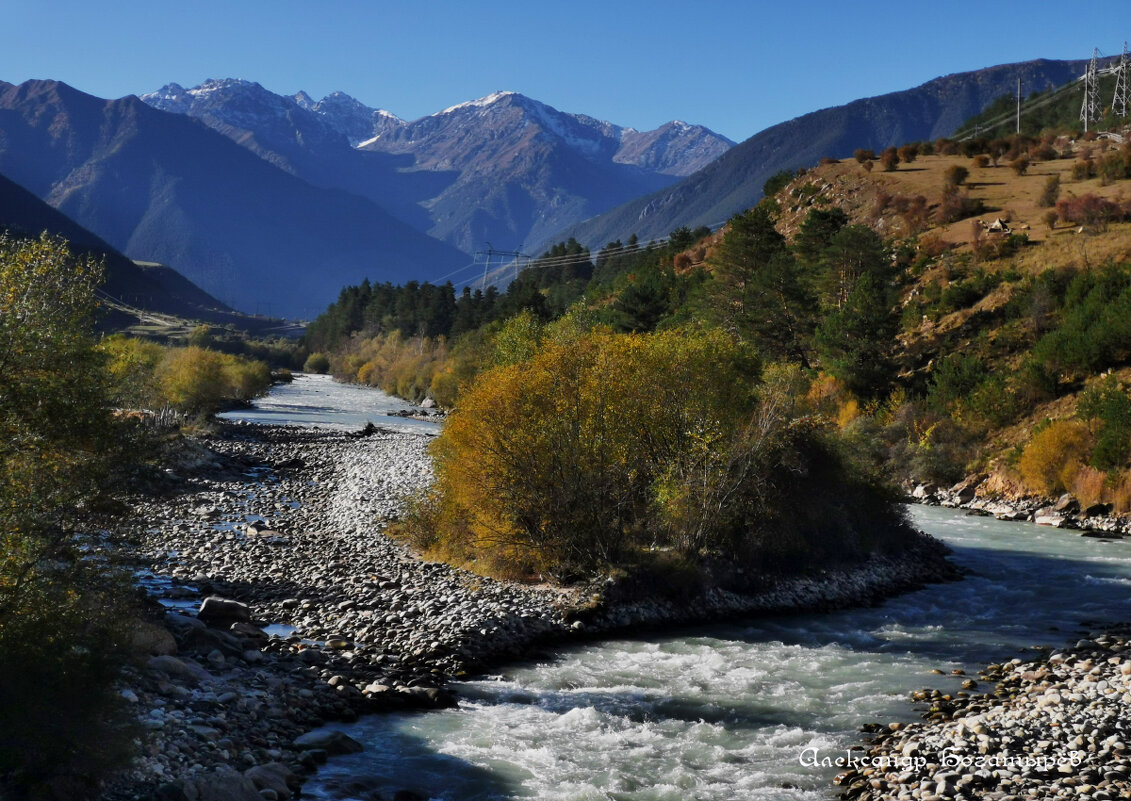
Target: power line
<point x="1029" y="105"/>
<point x="1090" y="79"/>
<point x="567" y="259"/>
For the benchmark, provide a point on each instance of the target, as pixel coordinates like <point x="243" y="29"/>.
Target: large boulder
<point x="179" y="624"/>
<point x="205" y="640"/>
<point x="1098" y="510"/>
<point x="223" y="612"/>
<point x="221" y="785"/>
<point x="249" y="632"/>
<point x="429" y="697"/>
<point x="1066" y="504"/>
<point x="274" y="776"/>
<point x="179" y="668"/>
<point x="966" y="490"/>
<point x="150" y="639"/>
<point x="1049" y="517"/>
<point x="331" y="741"/>
<point x="924" y="491"/>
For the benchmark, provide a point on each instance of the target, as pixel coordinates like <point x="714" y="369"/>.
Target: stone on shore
<point x="223" y="611"/>
<point x="273" y="776"/>
<point x="331" y="741"/>
<point x="223" y="784"/>
<point x="179" y="668"/>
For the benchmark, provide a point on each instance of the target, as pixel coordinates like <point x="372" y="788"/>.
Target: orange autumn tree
<point x="602" y="447"/>
<point x="549" y="463"/>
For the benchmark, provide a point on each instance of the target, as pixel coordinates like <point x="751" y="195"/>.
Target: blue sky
<point x="734" y="66"/>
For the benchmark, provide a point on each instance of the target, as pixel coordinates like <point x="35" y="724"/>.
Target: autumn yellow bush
<point x="1054" y="455"/>
<point x="1089" y="486"/>
<point x="131" y="366"/>
<point x="1121" y="495"/>
<point x="551" y="462"/>
<point x="603" y="447"/>
<point x="202" y="381"/>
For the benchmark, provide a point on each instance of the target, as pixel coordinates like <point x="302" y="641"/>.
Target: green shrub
<point x="60" y="645"/>
<point x="941" y="454"/>
<point x="316" y="363"/>
<point x="1108" y="406"/>
<point x="954" y="377"/>
<point x="777" y="182"/>
<point x="1095" y="327"/>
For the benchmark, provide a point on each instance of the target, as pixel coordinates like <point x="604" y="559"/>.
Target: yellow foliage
<point x="399" y="366"/>
<point x="1089" y="486"/>
<point x="200" y="380"/>
<point x="550" y="462"/>
<point x="1054" y="456"/>
<point x="828" y="395"/>
<point x="1121" y="496"/>
<point x="847" y="411"/>
<point x="132" y="369"/>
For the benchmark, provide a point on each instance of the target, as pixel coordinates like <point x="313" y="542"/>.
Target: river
<point x="318" y="401"/>
<point x="739" y="710"/>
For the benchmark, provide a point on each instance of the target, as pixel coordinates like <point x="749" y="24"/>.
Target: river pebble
<point x="1054" y="727"/>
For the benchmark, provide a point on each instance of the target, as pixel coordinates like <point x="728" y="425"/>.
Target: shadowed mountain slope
<point x="166" y="188"/>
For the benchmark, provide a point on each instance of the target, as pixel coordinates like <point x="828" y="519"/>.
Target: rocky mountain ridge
<point x="503" y="168"/>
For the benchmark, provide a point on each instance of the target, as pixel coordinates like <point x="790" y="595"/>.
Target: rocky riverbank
<point x="1053" y="727"/>
<point x="276" y="603"/>
<point x="979" y="496"/>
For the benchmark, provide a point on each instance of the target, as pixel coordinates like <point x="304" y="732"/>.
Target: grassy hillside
<point x="1012" y="358"/>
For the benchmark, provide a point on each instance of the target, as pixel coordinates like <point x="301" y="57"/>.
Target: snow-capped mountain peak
<point x="303" y="99"/>
<point x="482" y="102"/>
<point x="503" y="165"/>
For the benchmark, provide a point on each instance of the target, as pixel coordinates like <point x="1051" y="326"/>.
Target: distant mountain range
<point x="504" y="169"/>
<point x="734" y="181"/>
<point x="273" y="203"/>
<point x="166" y="188"/>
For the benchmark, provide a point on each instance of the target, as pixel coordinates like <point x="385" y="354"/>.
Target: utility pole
<point x="1090" y="110"/>
<point x="490" y="251"/>
<point x="1119" y="101"/>
<point x="1019" y="105"/>
<point x="486" y="264"/>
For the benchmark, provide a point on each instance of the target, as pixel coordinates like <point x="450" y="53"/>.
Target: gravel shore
<point x="277" y="604"/>
<point x="1053" y="727"/>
